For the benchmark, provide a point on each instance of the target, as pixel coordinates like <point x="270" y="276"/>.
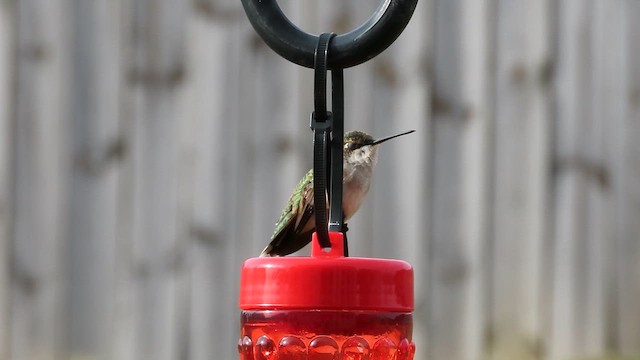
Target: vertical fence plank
<point x="38" y="323"/>
<point x="570" y="183"/>
<point x="607" y="103"/>
<point x="627" y="210"/>
<point x="205" y="115"/>
<point x="521" y="149"/>
<point x="155" y="73"/>
<point x="124" y="340"/>
<point x="586" y="53"/>
<point x="459" y="186"/>
<point x="7" y="45"/>
<point x="95" y="155"/>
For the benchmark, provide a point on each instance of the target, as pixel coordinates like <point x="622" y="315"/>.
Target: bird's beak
<point x="380" y="141"/>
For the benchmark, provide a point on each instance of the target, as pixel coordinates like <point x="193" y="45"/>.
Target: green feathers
<point x="294" y="206"/>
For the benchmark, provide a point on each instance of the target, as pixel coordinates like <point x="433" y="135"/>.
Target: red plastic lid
<point x="327" y="280"/>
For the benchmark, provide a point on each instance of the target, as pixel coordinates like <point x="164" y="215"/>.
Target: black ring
<point x="350" y="49"/>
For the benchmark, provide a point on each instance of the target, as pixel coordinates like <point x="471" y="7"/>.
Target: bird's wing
<point x="294" y="220"/>
<point x="300" y="202"/>
<point x="305" y="207"/>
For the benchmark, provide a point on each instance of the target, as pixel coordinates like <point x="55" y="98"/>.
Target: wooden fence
<point x="148" y="146"/>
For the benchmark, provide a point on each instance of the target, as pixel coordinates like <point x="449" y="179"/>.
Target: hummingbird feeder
<point x="328" y="306"/>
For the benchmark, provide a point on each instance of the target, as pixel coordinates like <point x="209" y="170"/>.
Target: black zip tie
<point x="336" y="219"/>
<point x="337" y="143"/>
<point x="321" y="122"/>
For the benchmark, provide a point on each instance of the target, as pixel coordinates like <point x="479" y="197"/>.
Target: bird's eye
<point x="351" y="146"/>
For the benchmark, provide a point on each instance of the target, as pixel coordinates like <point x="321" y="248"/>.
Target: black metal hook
<point x="350" y="49"/>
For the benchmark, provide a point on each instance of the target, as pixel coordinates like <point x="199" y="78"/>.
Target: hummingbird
<point x="297" y="222"/>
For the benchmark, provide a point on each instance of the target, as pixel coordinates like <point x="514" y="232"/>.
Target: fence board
<point x="96" y="151"/>
<point x="628" y="198"/>
<point x="123" y="339"/>
<point x="156" y="71"/>
<point x="521" y="168"/>
<point x="205" y="99"/>
<point x="607" y="103"/>
<point x="458" y="194"/>
<point x="588" y="51"/>
<point x="38" y="283"/>
<point x="7" y="36"/>
<point x="571" y="183"/>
